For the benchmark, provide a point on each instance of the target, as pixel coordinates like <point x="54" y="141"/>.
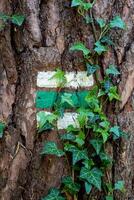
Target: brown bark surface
<point x="42" y="43"/>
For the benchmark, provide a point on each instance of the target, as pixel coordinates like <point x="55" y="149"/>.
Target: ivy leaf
<point x="80" y="47"/>
<point x="75" y="3"/>
<point x="112" y="70"/>
<point x="82" y="4"/>
<point x="107" y="85"/>
<point x="106" y="159"/>
<point x="97" y="144"/>
<point x="54" y="194"/>
<point x="113" y="94"/>
<point x="105" y="124"/>
<point x="88" y="19"/>
<point x="68" y="136"/>
<point x="92" y="176"/>
<point x="109" y="197"/>
<point x="92" y="99"/>
<point x="105" y="135"/>
<point x="101" y="22"/>
<point x="88" y="187"/>
<point x="100" y="48"/>
<point x="51" y="148"/>
<point x="80" y="138"/>
<point x="4" y="17"/>
<point x="45" y="121"/>
<point x="87" y="6"/>
<point x="2" y="127"/>
<point x="77" y="153"/>
<point x="69" y="147"/>
<point x="101" y="93"/>
<point x="116" y="132"/>
<point x="82" y="117"/>
<point x="107" y="40"/>
<point x="17" y="19"/>
<point x="109" y="187"/>
<point x="91" y="69"/>
<point x="67" y="98"/>
<point x="117" y="22"/>
<point x="60" y="78"/>
<point x="120" y="185"/>
<point x="88" y="163"/>
<point x="70" y="186"/>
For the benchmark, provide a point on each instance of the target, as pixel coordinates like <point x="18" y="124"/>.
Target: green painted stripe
<point x="47" y="99"/>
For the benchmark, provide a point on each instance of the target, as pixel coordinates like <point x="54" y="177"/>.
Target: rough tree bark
<point x="51" y="26"/>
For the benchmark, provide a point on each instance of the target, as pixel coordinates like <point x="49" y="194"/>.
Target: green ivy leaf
<point x="105" y="124"/>
<point x="101" y="93"/>
<point x="4" y="17"/>
<point x="17" y="19"/>
<point x="80" y="47"/>
<point x="105" y="135"/>
<point x="88" y="19"/>
<point x="69" y="147"/>
<point x="87" y="6"/>
<point x="88" y="187"/>
<point x="120" y="185"/>
<point x="91" y="69"/>
<point x="82" y="117"/>
<point x="107" y="40"/>
<point x="117" y="22"/>
<point x="106" y="159"/>
<point x="54" y="194"/>
<point x="51" y="148"/>
<point x="92" y="99"/>
<point x="107" y="85"/>
<point x="82" y="4"/>
<point x="68" y="136"/>
<point x="109" y="197"/>
<point x="101" y="22"/>
<point x="80" y="138"/>
<point x="2" y="127"/>
<point x="70" y="186"/>
<point x="88" y="163"/>
<point x="100" y="48"/>
<point x="75" y="3"/>
<point x="115" y="130"/>
<point x="67" y="98"/>
<point x="97" y="144"/>
<point x="60" y="78"/>
<point x="92" y="176"/>
<point x="113" y="94"/>
<point x="117" y="133"/>
<point x="112" y="70"/>
<point x="45" y="121"/>
<point x="77" y="154"/>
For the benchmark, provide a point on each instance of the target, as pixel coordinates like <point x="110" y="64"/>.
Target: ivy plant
<point x="84" y="147"/>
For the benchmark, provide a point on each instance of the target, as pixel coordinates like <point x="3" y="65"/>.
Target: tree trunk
<point x="42" y="43"/>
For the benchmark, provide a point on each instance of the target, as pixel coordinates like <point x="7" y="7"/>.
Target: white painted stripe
<point x="74" y="80"/>
<point x="69" y="118"/>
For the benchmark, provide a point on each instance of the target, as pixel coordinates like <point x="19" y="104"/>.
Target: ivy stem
<point x="73" y="177"/>
<point x="67" y="160"/>
<point x="93" y="26"/>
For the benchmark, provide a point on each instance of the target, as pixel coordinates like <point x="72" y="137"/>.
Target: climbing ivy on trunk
<point x="86" y="143"/>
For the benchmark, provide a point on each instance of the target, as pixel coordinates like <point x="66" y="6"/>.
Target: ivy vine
<point x="86" y="144"/>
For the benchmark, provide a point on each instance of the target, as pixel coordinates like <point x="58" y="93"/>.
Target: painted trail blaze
<point x="76" y="86"/>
